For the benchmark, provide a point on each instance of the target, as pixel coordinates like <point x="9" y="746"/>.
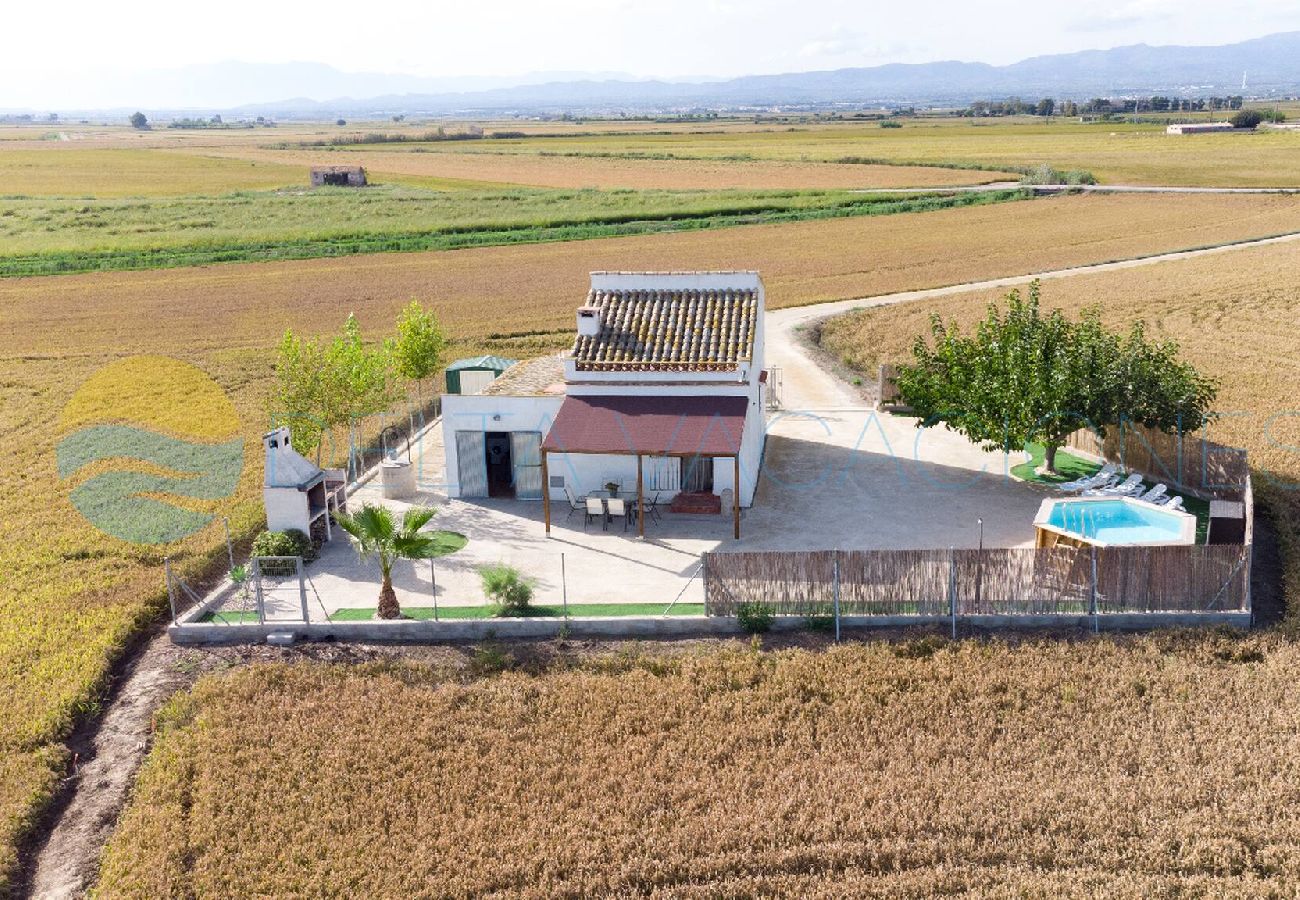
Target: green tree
<point x="1045" y="107"/>
<point x="321" y="387"/>
<point x="138" y="121"/>
<point x="376" y="534"/>
<point x="1024" y="376"/>
<point x="1247" y="118"/>
<point x="418" y="346"/>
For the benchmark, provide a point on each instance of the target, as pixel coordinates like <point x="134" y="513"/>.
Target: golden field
<point x="1233" y="314"/>
<point x="536" y="170"/>
<point x="250" y="305"/>
<point x="1116" y="153"/>
<point x="113" y="172"/>
<point x="1120" y="767"/>
<point x="71" y="598"/>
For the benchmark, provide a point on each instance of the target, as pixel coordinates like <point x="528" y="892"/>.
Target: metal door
<point x="471" y="463"/>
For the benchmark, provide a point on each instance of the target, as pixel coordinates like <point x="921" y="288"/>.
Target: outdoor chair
<point x="595" y="510"/>
<point x="1129" y="487"/>
<point x="1175" y="504"/>
<point x="574" y="503"/>
<point x="618" y="507"/>
<point x="1108" y="482"/>
<point x="1090" y="481"/>
<point x="652" y="507"/>
<point x="1154" y="495"/>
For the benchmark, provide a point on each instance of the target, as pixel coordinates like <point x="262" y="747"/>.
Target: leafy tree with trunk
<point x="1046" y="107"/>
<point x="376" y="533"/>
<point x="1025" y="376"/>
<point x="138" y="121"/>
<point x="418" y="347"/>
<point x="322" y="386"/>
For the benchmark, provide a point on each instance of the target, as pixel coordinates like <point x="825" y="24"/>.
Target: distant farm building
<point x="338" y="176"/>
<point x="1200" y="128"/>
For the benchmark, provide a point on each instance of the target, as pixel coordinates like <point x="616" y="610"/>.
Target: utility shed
<point x="471" y="376"/>
<point x="338" y="176"/>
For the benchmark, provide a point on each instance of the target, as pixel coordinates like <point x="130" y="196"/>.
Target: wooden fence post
<point x="564" y="587"/>
<point x="952" y="589"/>
<point x="1092" y="599"/>
<point x="836" y="582"/>
<point x="302" y="591"/>
<point x="171" y="590"/>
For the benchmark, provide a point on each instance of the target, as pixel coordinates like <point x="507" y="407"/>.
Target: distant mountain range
<point x="1271" y="66"/>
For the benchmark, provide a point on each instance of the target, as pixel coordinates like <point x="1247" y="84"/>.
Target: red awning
<point x="649" y="426"/>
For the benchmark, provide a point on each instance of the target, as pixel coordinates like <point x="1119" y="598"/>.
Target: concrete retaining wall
<point x="429" y="632"/>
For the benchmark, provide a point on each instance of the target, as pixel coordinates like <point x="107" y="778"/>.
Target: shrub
<point x="754" y="618"/>
<point x="890" y="123"/>
<point x="820" y="622"/>
<point x="283" y="543"/>
<point x="507" y="587"/>
<point x="1247" y="118"/>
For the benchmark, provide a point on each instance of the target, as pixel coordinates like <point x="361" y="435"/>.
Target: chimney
<point x="276" y="443"/>
<point x="588" y="321"/>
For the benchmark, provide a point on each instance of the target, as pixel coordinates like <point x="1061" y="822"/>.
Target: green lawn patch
<point x="547" y="611"/>
<point x="1068" y="466"/>
<point x="231" y="617"/>
<point x="445" y="542"/>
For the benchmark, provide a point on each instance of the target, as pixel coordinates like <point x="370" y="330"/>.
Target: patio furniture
<point x="1174" y="504"/>
<point x="617" y="506"/>
<point x="1129" y="487"/>
<point x="1154" y="495"/>
<point x="652" y="508"/>
<point x="574" y="503"/>
<point x="1107" y="482"/>
<point x="1096" y="479"/>
<point x="595" y="509"/>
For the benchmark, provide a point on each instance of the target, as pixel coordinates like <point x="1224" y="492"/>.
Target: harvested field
<point x="1155" y="766"/>
<point x="73" y="599"/>
<point x="251" y="304"/>
<point x="642" y="174"/>
<point x="1234" y="317"/>
<point x="60" y="170"/>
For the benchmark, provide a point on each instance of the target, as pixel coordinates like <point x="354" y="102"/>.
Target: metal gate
<point x="279" y="589"/>
<point x="471" y="463"/>
<point x="526" y="458"/>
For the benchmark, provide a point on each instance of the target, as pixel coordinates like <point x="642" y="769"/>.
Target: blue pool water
<point x="1116" y="522"/>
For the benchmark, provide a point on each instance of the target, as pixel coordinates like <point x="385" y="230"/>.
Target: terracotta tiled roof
<point x="674" y="330"/>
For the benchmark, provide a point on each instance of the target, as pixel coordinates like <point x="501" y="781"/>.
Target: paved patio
<point x="836" y="475"/>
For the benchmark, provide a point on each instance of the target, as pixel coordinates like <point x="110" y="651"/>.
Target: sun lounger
<point x="1102" y="476"/>
<point x="1127" y="488"/>
<point x="1154" y="495"/>
<point x="1175" y="503"/>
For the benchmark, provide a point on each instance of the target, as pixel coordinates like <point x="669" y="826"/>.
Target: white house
<point x="663" y="393"/>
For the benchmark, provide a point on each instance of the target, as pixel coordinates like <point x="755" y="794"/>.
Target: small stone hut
<point x="338" y="176"/>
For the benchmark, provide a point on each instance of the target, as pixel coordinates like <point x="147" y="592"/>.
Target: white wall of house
<point x="587" y="473"/>
<point x="488" y="413"/>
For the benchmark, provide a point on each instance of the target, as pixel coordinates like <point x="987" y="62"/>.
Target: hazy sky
<point x="48" y="47"/>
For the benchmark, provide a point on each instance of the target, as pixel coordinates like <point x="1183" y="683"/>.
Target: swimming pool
<point x="1110" y="522"/>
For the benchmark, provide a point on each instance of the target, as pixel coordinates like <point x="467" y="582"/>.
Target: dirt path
<point x="111" y="753"/>
<point x="107" y="761"/>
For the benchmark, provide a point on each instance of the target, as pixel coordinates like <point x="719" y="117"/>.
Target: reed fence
<point x="1188" y="463"/>
<point x="1009" y="582"/>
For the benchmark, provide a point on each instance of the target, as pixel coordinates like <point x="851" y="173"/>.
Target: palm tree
<point x="375" y="533"/>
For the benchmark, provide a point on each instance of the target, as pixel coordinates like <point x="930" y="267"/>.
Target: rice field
<point x="54" y="171"/>
<point x="1116" y="153"/>
<point x="1156" y="766"/>
<point x="1233" y="315"/>
<point x="486" y="164"/>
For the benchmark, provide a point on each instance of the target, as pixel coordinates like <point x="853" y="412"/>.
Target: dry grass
<point x="642" y="174"/>
<point x="60" y="170"/>
<point x="1154" y="766"/>
<point x="1234" y="315"/>
<point x="250" y="304"/>
<point x="73" y="597"/>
